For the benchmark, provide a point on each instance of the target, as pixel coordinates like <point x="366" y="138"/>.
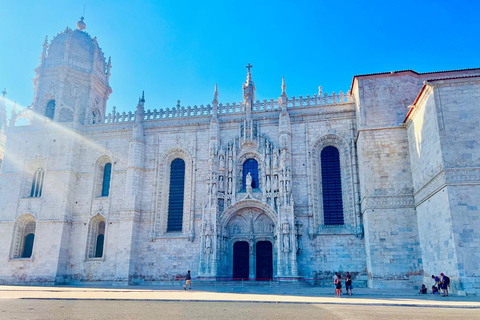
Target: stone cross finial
<point x="4" y="92"/>
<point x="249" y="66"/>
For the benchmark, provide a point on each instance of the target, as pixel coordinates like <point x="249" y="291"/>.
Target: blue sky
<point x="180" y="49"/>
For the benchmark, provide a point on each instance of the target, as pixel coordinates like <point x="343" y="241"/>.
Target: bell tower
<point x="72" y="78"/>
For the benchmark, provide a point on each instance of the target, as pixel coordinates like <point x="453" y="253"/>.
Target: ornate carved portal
<point x="249" y="234"/>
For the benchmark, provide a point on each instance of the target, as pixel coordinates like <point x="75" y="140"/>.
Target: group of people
<point x="337" y="281"/>
<point x="441" y="283"/>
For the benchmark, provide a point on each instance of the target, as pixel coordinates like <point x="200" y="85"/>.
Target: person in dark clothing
<point x="188" y="280"/>
<point x="423" y="289"/>
<point x="445" y="284"/>
<point x="338" y="286"/>
<point x="348" y="283"/>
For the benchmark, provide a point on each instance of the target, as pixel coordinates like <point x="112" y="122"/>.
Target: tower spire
<point x="215" y="103"/>
<point x="249" y="92"/>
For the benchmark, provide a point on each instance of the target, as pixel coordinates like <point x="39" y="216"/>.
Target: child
<point x="423" y="289"/>
<point x="434" y="290"/>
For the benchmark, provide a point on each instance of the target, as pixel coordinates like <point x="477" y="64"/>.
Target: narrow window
<point x="107" y="172"/>
<point x="331" y="186"/>
<point x="28" y="245"/>
<point x="250" y="165"/>
<point x="50" y="109"/>
<point x="175" y="199"/>
<point x="100" y="240"/>
<point x="96" y="237"/>
<point x="37" y="183"/>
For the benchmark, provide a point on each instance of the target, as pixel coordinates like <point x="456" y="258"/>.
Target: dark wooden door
<point x="240" y="260"/>
<point x="264" y="260"/>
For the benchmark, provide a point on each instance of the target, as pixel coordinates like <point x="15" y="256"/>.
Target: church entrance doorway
<point x="240" y="260"/>
<point x="264" y="260"/>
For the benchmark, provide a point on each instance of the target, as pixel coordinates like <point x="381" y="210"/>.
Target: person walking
<point x="188" y="280"/>
<point x="348" y="283"/>
<point x="445" y="284"/>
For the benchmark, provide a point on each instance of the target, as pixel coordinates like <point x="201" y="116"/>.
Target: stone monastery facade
<point x="382" y="181"/>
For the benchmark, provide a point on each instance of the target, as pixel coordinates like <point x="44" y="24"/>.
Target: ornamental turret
<point x="72" y="79"/>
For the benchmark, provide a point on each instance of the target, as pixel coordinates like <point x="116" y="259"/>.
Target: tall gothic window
<point x="331" y="186"/>
<point x="96" y="237"/>
<point x="37" y="183"/>
<point x="107" y="172"/>
<point x="50" y="109"/>
<point x="176" y="195"/>
<point x="250" y="165"/>
<point x="23" y="237"/>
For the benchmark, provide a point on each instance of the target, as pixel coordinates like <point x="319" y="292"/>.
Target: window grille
<point x="331" y="186"/>
<point x="176" y="195"/>
<point x="250" y="165"/>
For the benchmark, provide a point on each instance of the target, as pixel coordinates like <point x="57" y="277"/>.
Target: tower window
<point x="37" y="183"/>
<point x="331" y="186"/>
<point x="176" y="195"/>
<point x="250" y="165"/>
<point x="50" y="109"/>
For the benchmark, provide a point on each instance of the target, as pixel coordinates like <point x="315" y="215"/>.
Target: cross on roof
<point x="249" y="66"/>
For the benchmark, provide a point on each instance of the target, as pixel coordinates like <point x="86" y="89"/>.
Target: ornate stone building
<point x="287" y="188"/>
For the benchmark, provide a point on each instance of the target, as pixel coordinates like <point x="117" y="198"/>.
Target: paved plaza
<point x="227" y="301"/>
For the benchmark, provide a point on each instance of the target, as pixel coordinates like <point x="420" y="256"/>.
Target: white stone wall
<point x="443" y="143"/>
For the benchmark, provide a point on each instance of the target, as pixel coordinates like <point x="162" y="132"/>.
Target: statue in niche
<point x="267" y="163"/>
<point x="208" y="244"/>
<point x="275" y="158"/>
<point x="268" y="187"/>
<point x="230" y="164"/>
<point x="220" y="183"/>
<point x="222" y="162"/>
<point x="214" y="189"/>
<point x="248" y="180"/>
<point x="230" y="185"/>
<point x="275" y="188"/>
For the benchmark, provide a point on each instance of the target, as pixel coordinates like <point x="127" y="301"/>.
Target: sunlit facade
<point x="382" y="181"/>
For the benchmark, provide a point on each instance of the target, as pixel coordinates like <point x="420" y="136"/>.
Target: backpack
<point x="447" y="280"/>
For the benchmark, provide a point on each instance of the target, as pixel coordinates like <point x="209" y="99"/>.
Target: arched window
<point x="37" y="183"/>
<point x="176" y="195"/>
<point x="23" y="236"/>
<point x="250" y="165"/>
<point x="50" y="109"/>
<point x="96" y="237"/>
<point x="331" y="186"/>
<point x="66" y="115"/>
<point x="100" y="240"/>
<point x="107" y="172"/>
